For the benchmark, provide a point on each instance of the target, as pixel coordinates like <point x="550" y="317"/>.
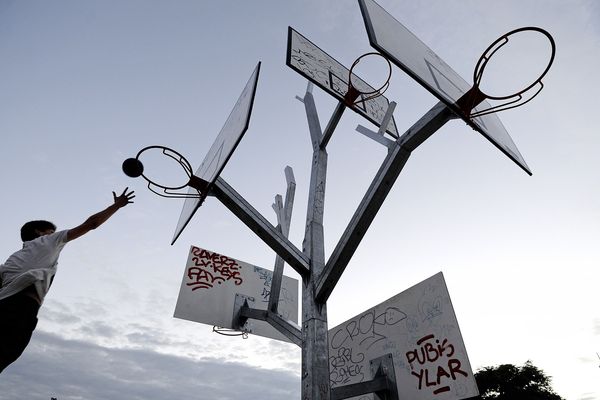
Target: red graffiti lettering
<point x="212" y="268"/>
<point x="454" y="366"/>
<point x="431" y="364"/>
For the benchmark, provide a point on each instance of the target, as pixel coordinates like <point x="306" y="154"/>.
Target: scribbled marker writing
<point x="344" y="366"/>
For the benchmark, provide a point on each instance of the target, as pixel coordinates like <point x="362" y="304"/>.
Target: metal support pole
<point x="263" y="229"/>
<point x="376" y="194"/>
<point x="315" y="347"/>
<point x="284" y="217"/>
<point x="385" y="122"/>
<point x="332" y="124"/>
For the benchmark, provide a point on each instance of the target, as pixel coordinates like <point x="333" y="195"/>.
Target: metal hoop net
<point x="229" y="332"/>
<point x="354" y="95"/>
<point x="517" y="99"/>
<point x="174" y="191"/>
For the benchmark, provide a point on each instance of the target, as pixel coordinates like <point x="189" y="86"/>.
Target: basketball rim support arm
<point x="260" y="226"/>
<point x="387" y="174"/>
<point x="276" y="238"/>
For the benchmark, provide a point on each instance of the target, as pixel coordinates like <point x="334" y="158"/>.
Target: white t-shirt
<point x="34" y="264"/>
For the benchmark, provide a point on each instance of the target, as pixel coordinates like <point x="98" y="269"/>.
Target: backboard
<point x="221" y="150"/>
<point x="314" y="64"/>
<point x="211" y="282"/>
<point x="408" y="52"/>
<point x="418" y="328"/>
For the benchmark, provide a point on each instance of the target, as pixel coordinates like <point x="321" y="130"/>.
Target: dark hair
<point x="29" y="231"/>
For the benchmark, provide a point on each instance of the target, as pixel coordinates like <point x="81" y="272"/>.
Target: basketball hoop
<point x="352" y="96"/>
<point x="134" y="168"/>
<point x="229" y="332"/>
<point x="475" y="96"/>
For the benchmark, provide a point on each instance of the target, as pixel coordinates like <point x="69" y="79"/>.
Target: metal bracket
<point x="383" y="385"/>
<point x="390" y="144"/>
<point x="242" y="313"/>
<point x="263" y="228"/>
<point x="240" y="322"/>
<point x="384" y="367"/>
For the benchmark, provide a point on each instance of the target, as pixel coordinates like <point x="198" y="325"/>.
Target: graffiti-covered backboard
<point x="210" y="284"/>
<point x="314" y="64"/>
<point x="419" y="329"/>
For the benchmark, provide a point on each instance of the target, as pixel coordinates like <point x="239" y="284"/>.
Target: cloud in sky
<point x="73" y="369"/>
<point x="90" y="322"/>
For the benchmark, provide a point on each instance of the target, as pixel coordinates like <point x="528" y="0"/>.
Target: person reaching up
<point x="27" y="274"/>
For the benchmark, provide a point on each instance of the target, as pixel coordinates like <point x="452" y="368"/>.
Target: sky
<point x="87" y="84"/>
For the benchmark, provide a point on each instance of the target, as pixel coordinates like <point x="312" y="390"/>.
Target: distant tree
<point x="508" y="382"/>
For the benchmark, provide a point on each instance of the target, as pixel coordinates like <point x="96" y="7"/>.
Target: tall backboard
<point x="314" y="64"/>
<point x="418" y="328"/>
<point x="221" y="150"/>
<point x="212" y="281"/>
<point x="408" y="52"/>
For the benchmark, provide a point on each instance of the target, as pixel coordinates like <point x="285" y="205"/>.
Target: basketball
<point x="133" y="167"/>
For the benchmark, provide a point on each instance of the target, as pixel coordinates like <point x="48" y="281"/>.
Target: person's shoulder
<point x="59" y="237"/>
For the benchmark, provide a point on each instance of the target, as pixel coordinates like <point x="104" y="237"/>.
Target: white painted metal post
<point x="284" y="217"/>
<point x="315" y="348"/>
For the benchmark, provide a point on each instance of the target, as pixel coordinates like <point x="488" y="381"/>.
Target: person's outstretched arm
<point x="99" y="218"/>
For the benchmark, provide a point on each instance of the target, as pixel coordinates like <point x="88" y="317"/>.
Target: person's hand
<point x="124" y="199"/>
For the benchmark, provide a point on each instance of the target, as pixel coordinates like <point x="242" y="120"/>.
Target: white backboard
<point x="419" y="329"/>
<point x="314" y="64"/>
<point x="221" y="150"/>
<point x="210" y="284"/>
